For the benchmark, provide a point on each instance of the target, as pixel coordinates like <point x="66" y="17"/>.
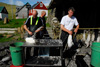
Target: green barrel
<point x="95" y="55"/>
<point x="16" y="53"/>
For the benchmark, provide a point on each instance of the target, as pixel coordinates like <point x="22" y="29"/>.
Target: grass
<point x="5" y="39"/>
<point x="14" y="23"/>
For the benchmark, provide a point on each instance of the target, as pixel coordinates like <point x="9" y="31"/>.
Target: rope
<point x="87" y="28"/>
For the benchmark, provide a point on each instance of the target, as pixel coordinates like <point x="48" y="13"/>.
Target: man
<point x="43" y="51"/>
<point x="67" y="24"/>
<point x="32" y="26"/>
<point x="43" y="13"/>
<point x="42" y="17"/>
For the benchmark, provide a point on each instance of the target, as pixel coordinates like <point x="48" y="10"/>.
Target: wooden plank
<point x="1" y="32"/>
<point x="8" y="29"/>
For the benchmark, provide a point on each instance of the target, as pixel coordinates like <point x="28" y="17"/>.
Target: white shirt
<point x="69" y="22"/>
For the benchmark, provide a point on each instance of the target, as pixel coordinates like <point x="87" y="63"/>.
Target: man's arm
<point x="27" y="24"/>
<point x="76" y="29"/>
<point x="25" y="27"/>
<point x="77" y="26"/>
<point x="39" y="29"/>
<point x="66" y="30"/>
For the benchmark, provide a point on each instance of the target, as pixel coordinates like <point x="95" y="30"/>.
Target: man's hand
<point x="75" y="30"/>
<point x="30" y="33"/>
<point x="64" y="29"/>
<point x="70" y="32"/>
<point x="25" y="27"/>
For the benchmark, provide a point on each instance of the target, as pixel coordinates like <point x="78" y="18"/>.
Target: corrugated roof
<point x="22" y="7"/>
<point x="1" y="8"/>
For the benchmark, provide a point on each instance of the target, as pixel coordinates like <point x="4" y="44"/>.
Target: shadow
<point x="73" y="50"/>
<point x="46" y="34"/>
<point x="70" y="52"/>
<point x="91" y="66"/>
<point x="54" y="51"/>
<point x="80" y="61"/>
<point x="1" y="57"/>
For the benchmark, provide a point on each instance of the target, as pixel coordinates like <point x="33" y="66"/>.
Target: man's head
<point x="71" y="11"/>
<point x="34" y="13"/>
<point x="43" y="13"/>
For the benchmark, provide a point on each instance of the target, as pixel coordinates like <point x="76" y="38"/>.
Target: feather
<point x="87" y="42"/>
<point x="70" y="42"/>
<point x="98" y="39"/>
<point x="84" y="36"/>
<point x="93" y="36"/>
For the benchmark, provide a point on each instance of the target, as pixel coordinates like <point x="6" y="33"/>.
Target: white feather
<point x="98" y="39"/>
<point x="93" y="36"/>
<point x="84" y="36"/>
<point x="30" y="40"/>
<point x="88" y="38"/>
<point x="87" y="42"/>
<point x="70" y="42"/>
<point x="5" y="59"/>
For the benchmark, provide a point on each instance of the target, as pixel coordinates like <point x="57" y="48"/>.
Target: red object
<point x="30" y="12"/>
<point x="39" y="5"/>
<point x="17" y="66"/>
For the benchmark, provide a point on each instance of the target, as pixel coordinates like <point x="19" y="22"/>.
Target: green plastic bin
<point x="95" y="55"/>
<point x="16" y="53"/>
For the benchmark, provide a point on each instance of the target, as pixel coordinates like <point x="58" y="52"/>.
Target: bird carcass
<point x="70" y="41"/>
<point x="87" y="42"/>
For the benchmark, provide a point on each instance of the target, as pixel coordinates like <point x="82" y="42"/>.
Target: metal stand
<point x="58" y="60"/>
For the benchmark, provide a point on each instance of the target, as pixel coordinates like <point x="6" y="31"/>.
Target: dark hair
<point x="71" y="8"/>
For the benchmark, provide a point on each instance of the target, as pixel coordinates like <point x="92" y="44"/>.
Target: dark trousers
<point x="64" y="38"/>
<point x="43" y="51"/>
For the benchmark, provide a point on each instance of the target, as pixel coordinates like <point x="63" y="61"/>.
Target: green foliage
<point x="48" y="25"/>
<point x="4" y="39"/>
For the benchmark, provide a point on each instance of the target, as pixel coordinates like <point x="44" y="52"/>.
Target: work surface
<point x="45" y="61"/>
<point x="44" y="43"/>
